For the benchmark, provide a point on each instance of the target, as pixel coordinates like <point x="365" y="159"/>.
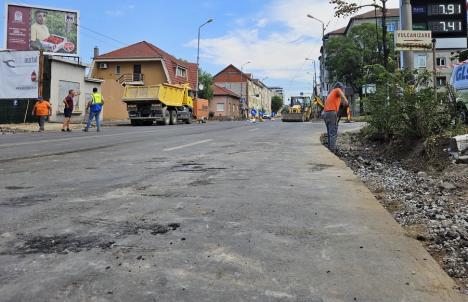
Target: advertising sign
<point x="460" y="77"/>
<point x="19" y="74"/>
<point x="34" y="28"/>
<point x="413" y="40"/>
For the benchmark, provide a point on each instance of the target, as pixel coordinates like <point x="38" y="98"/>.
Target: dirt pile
<point x="428" y="197"/>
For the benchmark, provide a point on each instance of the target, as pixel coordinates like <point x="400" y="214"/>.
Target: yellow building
<point x="138" y="64"/>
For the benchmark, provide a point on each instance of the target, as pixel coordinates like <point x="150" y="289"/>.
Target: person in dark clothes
<point x="67" y="112"/>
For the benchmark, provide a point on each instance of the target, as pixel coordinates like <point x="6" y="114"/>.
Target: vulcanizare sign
<point x="413" y="40"/>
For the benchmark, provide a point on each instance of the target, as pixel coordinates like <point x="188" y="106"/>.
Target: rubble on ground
<point x="431" y="206"/>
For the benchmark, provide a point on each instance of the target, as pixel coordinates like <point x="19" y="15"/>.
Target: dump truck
<point x="164" y="104"/>
<point x="299" y="110"/>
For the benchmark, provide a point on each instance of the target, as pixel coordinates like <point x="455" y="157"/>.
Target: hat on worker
<point x="339" y="85"/>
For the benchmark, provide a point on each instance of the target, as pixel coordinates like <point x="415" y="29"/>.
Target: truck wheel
<point x="167" y="119"/>
<point x="189" y="119"/>
<point x="173" y="117"/>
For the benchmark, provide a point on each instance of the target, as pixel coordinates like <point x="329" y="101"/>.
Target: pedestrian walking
<point x="42" y="109"/>
<point x="68" y="110"/>
<point x="330" y="113"/>
<point x="95" y="108"/>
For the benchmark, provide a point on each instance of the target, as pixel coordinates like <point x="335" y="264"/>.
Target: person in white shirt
<point x="39" y="30"/>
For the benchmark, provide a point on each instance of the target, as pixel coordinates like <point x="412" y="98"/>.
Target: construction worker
<point x="95" y="108"/>
<point x="42" y="109"/>
<point x="330" y="113"/>
<point x="68" y="110"/>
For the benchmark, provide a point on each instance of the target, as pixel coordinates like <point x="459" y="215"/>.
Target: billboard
<point x="34" y="28"/>
<point x="19" y="74"/>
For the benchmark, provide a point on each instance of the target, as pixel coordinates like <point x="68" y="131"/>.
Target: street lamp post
<point x="322" y="68"/>
<point x="242" y="81"/>
<point x="315" y="77"/>
<point x="198" y="53"/>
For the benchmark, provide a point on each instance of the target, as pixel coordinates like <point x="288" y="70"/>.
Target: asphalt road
<point x="219" y="212"/>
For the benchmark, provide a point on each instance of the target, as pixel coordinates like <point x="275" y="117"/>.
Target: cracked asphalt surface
<point x="219" y="212"/>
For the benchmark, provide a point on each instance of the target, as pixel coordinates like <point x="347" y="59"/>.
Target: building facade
<point x="373" y="17"/>
<point x="138" y="64"/>
<point x="253" y="93"/>
<point x="225" y="103"/>
<point x="66" y="75"/>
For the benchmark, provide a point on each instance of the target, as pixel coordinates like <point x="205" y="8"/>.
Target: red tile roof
<point x="339" y="31"/>
<point x="244" y="76"/>
<point x="145" y="50"/>
<point x="218" y="90"/>
<point x="391" y="12"/>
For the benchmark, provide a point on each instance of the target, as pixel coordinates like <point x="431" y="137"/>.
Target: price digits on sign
<point x="446" y="26"/>
<point x="444" y="9"/>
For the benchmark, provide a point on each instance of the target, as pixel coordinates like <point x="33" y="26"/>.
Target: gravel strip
<point x="432" y="207"/>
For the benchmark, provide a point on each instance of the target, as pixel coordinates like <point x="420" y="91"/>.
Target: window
<point x="441" y="81"/>
<point x="220" y="107"/>
<point x="392" y="26"/>
<point x="441" y="61"/>
<point x="421" y="61"/>
<point x="117" y="69"/>
<point x="181" y="72"/>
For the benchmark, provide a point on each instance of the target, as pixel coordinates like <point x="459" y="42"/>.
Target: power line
<point x="99" y="34"/>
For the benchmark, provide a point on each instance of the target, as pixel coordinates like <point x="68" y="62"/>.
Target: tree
<point x="344" y="8"/>
<point x="206" y="79"/>
<point x="276" y="103"/>
<point x="348" y="56"/>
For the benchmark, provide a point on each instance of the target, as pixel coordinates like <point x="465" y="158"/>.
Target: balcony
<point x="134" y="79"/>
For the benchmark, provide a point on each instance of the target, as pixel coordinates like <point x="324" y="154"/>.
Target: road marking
<point x="188" y="145"/>
<point x="251" y="130"/>
<point x="83" y="137"/>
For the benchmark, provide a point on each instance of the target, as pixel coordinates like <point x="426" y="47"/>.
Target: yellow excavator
<point x="300" y="109"/>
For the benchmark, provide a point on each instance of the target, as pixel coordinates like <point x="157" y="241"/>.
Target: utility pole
<point x="406" y="24"/>
<point x="384" y="33"/>
<point x="198" y="55"/>
<point x="245" y="105"/>
<point x="315" y="80"/>
<point x="322" y="65"/>
<point x="434" y="70"/>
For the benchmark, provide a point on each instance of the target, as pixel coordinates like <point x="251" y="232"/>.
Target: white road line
<point x="188" y="145"/>
<point x="251" y="130"/>
<point x="82" y="137"/>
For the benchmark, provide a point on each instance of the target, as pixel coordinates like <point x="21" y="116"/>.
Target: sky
<point x="274" y="35"/>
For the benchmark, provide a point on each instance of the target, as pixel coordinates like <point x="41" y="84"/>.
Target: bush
<point x="405" y="106"/>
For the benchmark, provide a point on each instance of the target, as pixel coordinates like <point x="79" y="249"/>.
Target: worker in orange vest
<point x="42" y="109"/>
<point x="330" y="113"/>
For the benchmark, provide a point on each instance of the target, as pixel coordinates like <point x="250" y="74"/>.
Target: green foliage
<point x="405" y="107"/>
<point x="276" y="103"/>
<point x="207" y="80"/>
<point x="347" y="56"/>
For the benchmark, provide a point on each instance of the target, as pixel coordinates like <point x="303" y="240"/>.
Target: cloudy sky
<point x="274" y="35"/>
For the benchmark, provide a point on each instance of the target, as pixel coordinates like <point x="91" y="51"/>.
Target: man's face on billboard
<point x="40" y="17"/>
